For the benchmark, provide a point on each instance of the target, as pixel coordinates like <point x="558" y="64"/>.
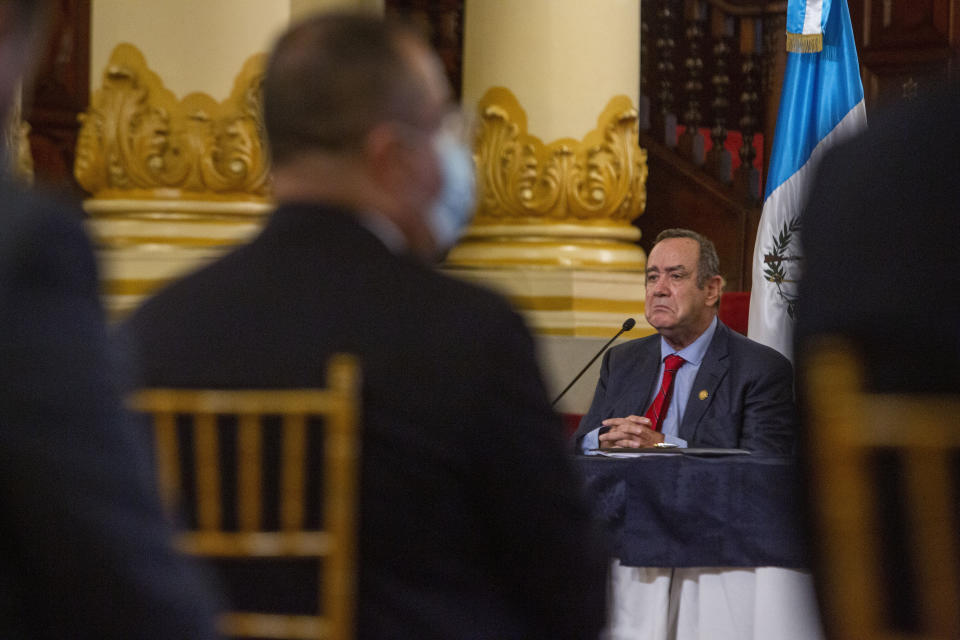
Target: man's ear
<point x="397" y="167"/>
<point x="714" y="287"/>
<point x="380" y="155"/>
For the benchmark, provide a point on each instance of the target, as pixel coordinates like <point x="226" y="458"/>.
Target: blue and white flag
<point x="821" y="105"/>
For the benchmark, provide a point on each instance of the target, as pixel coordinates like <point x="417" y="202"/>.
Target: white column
<point x="553" y="86"/>
<point x="192" y="46"/>
<point x="563" y="59"/>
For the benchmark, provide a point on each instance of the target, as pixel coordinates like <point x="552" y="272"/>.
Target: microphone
<point x="627" y="325"/>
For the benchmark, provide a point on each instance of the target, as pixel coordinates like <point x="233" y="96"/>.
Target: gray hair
<point x="708" y="264"/>
<point x="333" y="77"/>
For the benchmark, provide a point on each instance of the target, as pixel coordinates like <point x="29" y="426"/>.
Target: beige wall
<point x="299" y="8"/>
<point x="193" y="46"/>
<point x="563" y="59"/>
<point x="197" y="45"/>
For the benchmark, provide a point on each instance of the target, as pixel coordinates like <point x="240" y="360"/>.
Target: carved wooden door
<point x="907" y="47"/>
<point x="61" y="92"/>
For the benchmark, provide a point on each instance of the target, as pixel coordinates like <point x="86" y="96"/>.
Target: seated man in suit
<point x="695" y="383"/>
<point x="472" y="523"/>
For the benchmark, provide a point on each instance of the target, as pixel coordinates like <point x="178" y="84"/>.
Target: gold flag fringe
<point x="804" y="42"/>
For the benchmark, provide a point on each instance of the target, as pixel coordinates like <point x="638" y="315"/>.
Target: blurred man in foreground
<point x="86" y="549"/>
<point x="880" y="247"/>
<point x="882" y="274"/>
<point x="471" y="523"/>
<point x="696" y="382"/>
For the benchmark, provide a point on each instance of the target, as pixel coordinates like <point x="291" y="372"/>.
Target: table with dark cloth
<point x="684" y="510"/>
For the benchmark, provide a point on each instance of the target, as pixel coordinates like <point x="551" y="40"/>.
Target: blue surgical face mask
<point x="453" y="207"/>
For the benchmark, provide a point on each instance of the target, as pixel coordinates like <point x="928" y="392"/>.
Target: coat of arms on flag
<point x="781" y="265"/>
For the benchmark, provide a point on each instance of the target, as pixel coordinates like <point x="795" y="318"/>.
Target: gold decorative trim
<point x="567" y="204"/>
<point x="522" y="180"/>
<point x="132" y="286"/>
<point x="571" y="303"/>
<point x="804" y="42"/>
<point x="563" y="301"/>
<point x="119" y="241"/>
<point x="212" y="208"/>
<point x="596" y="230"/>
<point x="137" y="140"/>
<point x="546" y="251"/>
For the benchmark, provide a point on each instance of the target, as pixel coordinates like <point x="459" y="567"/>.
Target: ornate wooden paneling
<point x="712" y="70"/>
<point x="440" y="22"/>
<point x="907" y="47"/>
<point x="681" y="194"/>
<point x="61" y="92"/>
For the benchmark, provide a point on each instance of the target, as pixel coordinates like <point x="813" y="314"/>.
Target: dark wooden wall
<point x="680" y="194"/>
<point x="441" y="23"/>
<point x="907" y="48"/>
<point x="61" y="92"/>
<point x="712" y="70"/>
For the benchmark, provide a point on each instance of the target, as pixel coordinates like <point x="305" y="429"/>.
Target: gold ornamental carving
<point x="598" y="180"/>
<point x="137" y="140"/>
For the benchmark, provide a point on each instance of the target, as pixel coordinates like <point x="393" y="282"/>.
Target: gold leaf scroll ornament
<point x="567" y="204"/>
<point x="600" y="179"/>
<point x="138" y="140"/>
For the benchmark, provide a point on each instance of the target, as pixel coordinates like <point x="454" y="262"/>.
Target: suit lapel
<point x="712" y="370"/>
<point x="643" y="377"/>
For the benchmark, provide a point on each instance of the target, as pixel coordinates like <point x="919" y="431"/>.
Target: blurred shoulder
<point x="465" y="306"/>
<point x="42" y="238"/>
<point x="24" y="212"/>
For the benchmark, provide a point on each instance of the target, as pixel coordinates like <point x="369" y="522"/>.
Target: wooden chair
<point x="294" y="413"/>
<point x="884" y="484"/>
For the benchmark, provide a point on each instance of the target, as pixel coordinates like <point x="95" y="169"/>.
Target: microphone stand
<point x="627" y="325"/>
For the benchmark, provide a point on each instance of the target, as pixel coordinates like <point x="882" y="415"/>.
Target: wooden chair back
<point x="884" y="484"/>
<point x="201" y="412"/>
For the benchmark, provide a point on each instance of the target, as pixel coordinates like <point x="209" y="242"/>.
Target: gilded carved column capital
<point x="566" y="203"/>
<point x="175" y="183"/>
<point x="521" y="179"/>
<point x="138" y="141"/>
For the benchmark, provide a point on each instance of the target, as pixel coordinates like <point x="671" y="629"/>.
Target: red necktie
<point x="658" y="410"/>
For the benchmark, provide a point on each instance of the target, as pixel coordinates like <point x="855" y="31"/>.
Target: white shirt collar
<point x="386" y="231"/>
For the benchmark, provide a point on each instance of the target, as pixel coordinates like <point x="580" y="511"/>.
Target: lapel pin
<point x="703" y="394"/>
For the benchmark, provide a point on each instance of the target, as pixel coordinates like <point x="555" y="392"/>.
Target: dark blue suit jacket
<point x="86" y="547"/>
<point x="749" y="402"/>
<point x="881" y="261"/>
<point x="471" y="520"/>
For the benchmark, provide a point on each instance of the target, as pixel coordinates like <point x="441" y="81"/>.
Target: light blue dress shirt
<point x="693" y="354"/>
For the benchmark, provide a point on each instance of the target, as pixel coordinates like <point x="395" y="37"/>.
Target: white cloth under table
<point x="716" y="603"/>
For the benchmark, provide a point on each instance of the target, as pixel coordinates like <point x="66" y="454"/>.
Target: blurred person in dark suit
<point x="882" y="272"/>
<point x="471" y="522"/>
<point x="86" y="547"/>
<point x="882" y="266"/>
